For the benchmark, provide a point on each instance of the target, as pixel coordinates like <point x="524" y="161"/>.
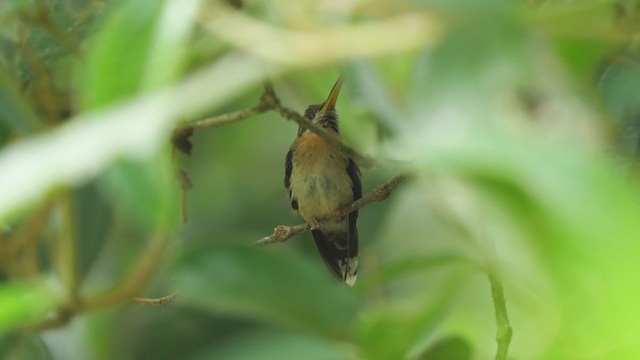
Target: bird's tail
<point x="339" y="250"/>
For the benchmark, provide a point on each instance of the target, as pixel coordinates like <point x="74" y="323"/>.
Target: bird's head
<point x="325" y="115"/>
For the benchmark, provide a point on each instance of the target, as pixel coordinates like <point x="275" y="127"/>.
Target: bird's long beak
<point x="330" y="103"/>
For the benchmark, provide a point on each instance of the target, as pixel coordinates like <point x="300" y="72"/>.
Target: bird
<point x="320" y="181"/>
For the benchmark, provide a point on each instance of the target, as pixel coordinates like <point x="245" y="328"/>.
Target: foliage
<point x="516" y="123"/>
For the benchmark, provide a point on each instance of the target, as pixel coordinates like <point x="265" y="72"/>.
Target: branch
<point x="381" y="192"/>
<point x="127" y="290"/>
<point x="155" y="302"/>
<point x="135" y="281"/>
<point x="66" y="257"/>
<point x="182" y="133"/>
<point x="268" y="101"/>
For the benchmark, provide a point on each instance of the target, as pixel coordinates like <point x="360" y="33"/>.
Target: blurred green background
<point x="516" y="122"/>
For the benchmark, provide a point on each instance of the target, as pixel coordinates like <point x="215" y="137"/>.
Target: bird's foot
<point x="315" y="225"/>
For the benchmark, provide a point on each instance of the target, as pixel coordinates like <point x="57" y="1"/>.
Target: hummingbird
<point x="320" y="181"/>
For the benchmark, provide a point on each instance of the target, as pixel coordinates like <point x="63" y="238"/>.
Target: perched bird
<point x="321" y="181"/>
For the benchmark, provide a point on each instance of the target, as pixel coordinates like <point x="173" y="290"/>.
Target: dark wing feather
<point x="356" y="187"/>
<point x="288" y="167"/>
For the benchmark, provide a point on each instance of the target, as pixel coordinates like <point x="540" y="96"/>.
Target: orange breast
<point x="319" y="179"/>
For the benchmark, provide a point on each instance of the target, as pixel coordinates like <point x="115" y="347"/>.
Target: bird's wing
<point x="338" y="249"/>
<point x="288" y="167"/>
<point x="356" y="188"/>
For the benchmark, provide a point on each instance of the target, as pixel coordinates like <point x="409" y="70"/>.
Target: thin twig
<point x="66" y="252"/>
<point x="504" y="331"/>
<point x="20" y="255"/>
<point x="155" y="302"/>
<point x="284" y="232"/>
<point x="185" y="186"/>
<point x="125" y="290"/>
<point x="134" y="282"/>
<point x="270" y="101"/>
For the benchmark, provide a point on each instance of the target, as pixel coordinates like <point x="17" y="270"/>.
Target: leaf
<point x="15" y="111"/>
<point x="22" y="303"/>
<point x="93" y="219"/>
<point x="579" y="215"/>
<point x="274" y="345"/>
<point x="387" y="333"/>
<point x="254" y="283"/>
<point x="23" y="345"/>
<point x="121" y="64"/>
<point x="621" y="91"/>
<point x="449" y="348"/>
<point x="147" y="191"/>
<point x="84" y="146"/>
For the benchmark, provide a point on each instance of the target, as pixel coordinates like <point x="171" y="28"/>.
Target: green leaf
<point x="256" y="283"/>
<point x="449" y="348"/>
<point x="146" y="190"/>
<point x="23" y="345"/>
<point x="620" y="86"/>
<point x="272" y="345"/>
<point x="86" y="145"/>
<point x="22" y="303"/>
<point x="15" y="111"/>
<point x="140" y="48"/>
<point x="387" y="332"/>
<point x="93" y="218"/>
<point x="578" y="214"/>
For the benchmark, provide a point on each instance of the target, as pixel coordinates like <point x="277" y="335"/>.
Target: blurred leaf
<point x="15" y="111"/>
<point x="450" y="348"/>
<point x="582" y="35"/>
<point x="274" y="345"/>
<point x="256" y="283"/>
<point x="182" y="331"/>
<point x="22" y="303"/>
<point x="85" y="145"/>
<point x="566" y="203"/>
<point x="147" y="191"/>
<point x="140" y="48"/>
<point x="493" y="33"/>
<point x="22" y="346"/>
<point x="620" y="86"/>
<point x="409" y="265"/>
<point x="119" y="53"/>
<point x="386" y="333"/>
<point x="93" y="219"/>
<point x="376" y="96"/>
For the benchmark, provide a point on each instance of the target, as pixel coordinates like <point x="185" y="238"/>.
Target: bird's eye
<point x="311" y="111"/>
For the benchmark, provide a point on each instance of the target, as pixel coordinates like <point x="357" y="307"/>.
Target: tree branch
<point x="135" y="281"/>
<point x="182" y="133"/>
<point x="381" y="192"/>
<point x="161" y="301"/>
<point x="268" y="101"/>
